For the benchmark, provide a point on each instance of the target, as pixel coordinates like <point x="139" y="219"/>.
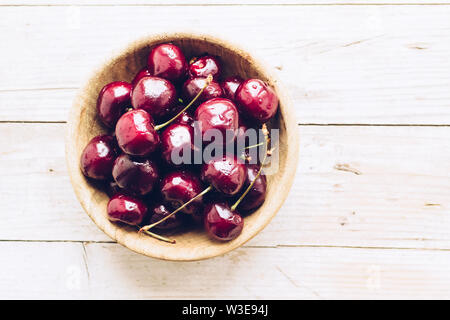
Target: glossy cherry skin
<point x="221" y="223"/>
<point x="256" y="100"/>
<point x="226" y="174"/>
<point x="230" y="85"/>
<point x="137" y="176"/>
<point x="141" y="74"/>
<point x="126" y="209"/>
<point x="184" y="118"/>
<point x="160" y="211"/>
<point x="193" y="86"/>
<point x="168" y="62"/>
<point x="112" y="101"/>
<point x="177" y="139"/>
<point x="136" y="134"/>
<point x="179" y="187"/>
<point x="219" y="114"/>
<point x="98" y="157"/>
<point x="257" y="194"/>
<point x="155" y="95"/>
<point x="204" y="66"/>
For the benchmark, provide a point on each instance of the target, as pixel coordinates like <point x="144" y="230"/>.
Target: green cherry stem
<point x="266" y="138"/>
<point x="207" y="83"/>
<point x="157" y="236"/>
<point x="148" y="227"/>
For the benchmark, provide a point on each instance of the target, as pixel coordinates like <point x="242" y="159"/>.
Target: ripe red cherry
<point x="256" y="100"/>
<point x="137" y="176"/>
<point x="230" y="85"/>
<point x="179" y="187"/>
<point x="177" y="139"/>
<point x="136" y="134"/>
<point x="184" y="118"/>
<point x="98" y="156"/>
<point x="160" y="211"/>
<point x="126" y="209"/>
<point x="193" y="86"/>
<point x="168" y="62"/>
<point x="226" y="174"/>
<point x="220" y="114"/>
<point x="204" y="66"/>
<point x="221" y="222"/>
<point x="155" y="95"/>
<point x="112" y="101"/>
<point x="141" y="74"/>
<point x="257" y="194"/>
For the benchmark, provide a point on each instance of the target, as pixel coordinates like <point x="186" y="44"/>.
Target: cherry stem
<point x="207" y="83"/>
<point x="255" y="145"/>
<point x="148" y="227"/>
<point x="157" y="236"/>
<point x="266" y="138"/>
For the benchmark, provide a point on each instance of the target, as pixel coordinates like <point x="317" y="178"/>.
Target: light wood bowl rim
<point x="287" y="113"/>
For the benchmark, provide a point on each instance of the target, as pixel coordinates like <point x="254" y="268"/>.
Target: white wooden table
<point x="368" y="215"/>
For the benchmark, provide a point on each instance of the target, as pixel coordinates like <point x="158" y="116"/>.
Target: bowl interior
<point x="193" y="244"/>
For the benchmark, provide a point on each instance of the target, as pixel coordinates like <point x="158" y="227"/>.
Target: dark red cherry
<point x="168" y="62"/>
<point x="256" y="100"/>
<point x="136" y="134"/>
<point x="160" y="211"/>
<point x="141" y="74"/>
<point x="137" y="176"/>
<point x="226" y="174"/>
<point x="219" y="114"/>
<point x="112" y="101"/>
<point x="204" y="66"/>
<point x="155" y="95"/>
<point x="184" y="118"/>
<point x="257" y="194"/>
<point x="126" y="209"/>
<point x="179" y="187"/>
<point x="221" y="223"/>
<point x="177" y="144"/>
<point x="193" y="86"/>
<point x="230" y="85"/>
<point x="98" y="156"/>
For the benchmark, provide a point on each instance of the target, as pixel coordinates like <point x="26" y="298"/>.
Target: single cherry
<point x="256" y="100"/>
<point x="112" y="101"/>
<point x="257" y="194"/>
<point x="136" y="134"/>
<point x="98" y="157"/>
<point x="204" y="66"/>
<point x="193" y="86"/>
<point x="184" y="118"/>
<point x="160" y="211"/>
<point x="126" y="209"/>
<point x="155" y="95"/>
<point x="135" y="175"/>
<point x="226" y="174"/>
<point x="230" y="85"/>
<point x="141" y="74"/>
<point x="179" y="187"/>
<point x="177" y="144"/>
<point x="219" y="114"/>
<point x="168" y="62"/>
<point x="221" y="222"/>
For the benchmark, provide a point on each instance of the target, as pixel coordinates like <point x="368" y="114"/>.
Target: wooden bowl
<point x="83" y="125"/>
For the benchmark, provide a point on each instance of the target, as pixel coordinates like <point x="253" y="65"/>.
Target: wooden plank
<point x="400" y="197"/>
<point x="341" y="64"/>
<point x="103" y="271"/>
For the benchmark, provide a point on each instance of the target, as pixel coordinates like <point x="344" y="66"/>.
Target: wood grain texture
<point x="400" y="199"/>
<point x="109" y="271"/>
<point x="341" y="64"/>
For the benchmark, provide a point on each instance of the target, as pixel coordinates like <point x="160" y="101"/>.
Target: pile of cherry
<point x="134" y="163"/>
